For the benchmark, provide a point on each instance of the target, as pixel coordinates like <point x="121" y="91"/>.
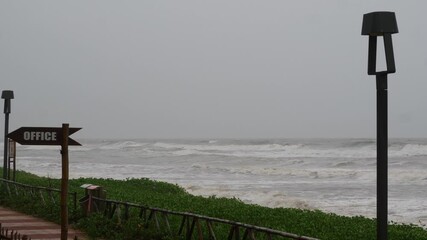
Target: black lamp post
<point x="7" y="95"/>
<point x="381" y="24"/>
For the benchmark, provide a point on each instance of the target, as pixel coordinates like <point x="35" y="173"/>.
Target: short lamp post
<point x="381" y="24"/>
<point x="7" y="95"/>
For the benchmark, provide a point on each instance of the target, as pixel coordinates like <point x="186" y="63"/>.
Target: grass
<point x="168" y="196"/>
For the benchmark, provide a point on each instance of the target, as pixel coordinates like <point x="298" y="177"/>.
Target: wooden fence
<point x="191" y="226"/>
<point x="15" y="189"/>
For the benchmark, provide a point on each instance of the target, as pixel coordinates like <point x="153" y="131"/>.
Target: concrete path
<point x="33" y="227"/>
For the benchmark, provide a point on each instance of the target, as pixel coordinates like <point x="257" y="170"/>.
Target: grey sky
<point x="141" y="69"/>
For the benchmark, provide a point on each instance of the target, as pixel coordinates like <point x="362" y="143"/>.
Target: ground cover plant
<point x="168" y="196"/>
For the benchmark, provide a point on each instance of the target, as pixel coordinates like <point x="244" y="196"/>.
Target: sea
<point x="331" y="175"/>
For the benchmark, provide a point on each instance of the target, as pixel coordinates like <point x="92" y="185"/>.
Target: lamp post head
<point x="7" y="95"/>
<point x="379" y="23"/>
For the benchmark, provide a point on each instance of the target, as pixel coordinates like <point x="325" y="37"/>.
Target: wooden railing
<point x="187" y="225"/>
<point x="45" y="194"/>
<point x="192" y="226"/>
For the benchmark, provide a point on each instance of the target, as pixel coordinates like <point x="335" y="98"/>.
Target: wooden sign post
<point x="64" y="182"/>
<point x="51" y="136"/>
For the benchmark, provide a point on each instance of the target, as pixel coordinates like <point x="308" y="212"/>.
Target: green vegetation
<point x="168" y="196"/>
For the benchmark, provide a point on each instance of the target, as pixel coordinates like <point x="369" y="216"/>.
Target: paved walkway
<point x="33" y="227"/>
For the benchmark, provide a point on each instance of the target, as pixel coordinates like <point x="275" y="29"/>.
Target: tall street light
<point x="381" y="24"/>
<point x="7" y="95"/>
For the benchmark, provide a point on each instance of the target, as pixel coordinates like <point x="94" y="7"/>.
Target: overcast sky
<point x="208" y="69"/>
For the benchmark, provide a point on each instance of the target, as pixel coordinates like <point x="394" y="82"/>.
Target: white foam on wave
<point x="121" y="145"/>
<point x="273" y="199"/>
<point x="273" y="150"/>
<point x="267" y="169"/>
<point x="408" y="150"/>
<point x="361" y="149"/>
<point x="408" y="176"/>
<point x="224" y="148"/>
<point x="37" y="158"/>
<point x="36" y="147"/>
<point x="293" y="151"/>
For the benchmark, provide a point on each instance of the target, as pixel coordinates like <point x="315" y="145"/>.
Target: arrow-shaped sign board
<point x="41" y="136"/>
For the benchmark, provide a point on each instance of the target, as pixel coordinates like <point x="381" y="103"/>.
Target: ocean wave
<point x="271" y="150"/>
<point x="225" y="147"/>
<point x="361" y="149"/>
<point x="284" y="171"/>
<point x="408" y="150"/>
<point x="346" y="148"/>
<point x="333" y="175"/>
<point x="36" y="147"/>
<point x="122" y="145"/>
<point x="273" y="199"/>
